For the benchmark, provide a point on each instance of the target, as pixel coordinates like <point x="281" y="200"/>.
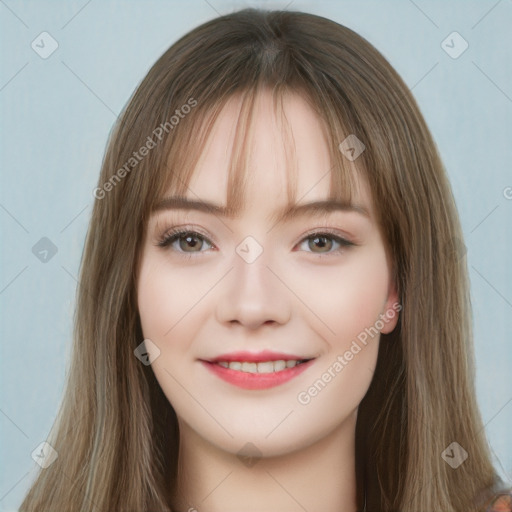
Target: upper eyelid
<point x="181" y="231"/>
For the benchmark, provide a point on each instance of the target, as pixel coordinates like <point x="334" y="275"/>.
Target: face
<point x="268" y="330"/>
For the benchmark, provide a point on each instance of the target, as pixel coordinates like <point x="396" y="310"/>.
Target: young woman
<point x="273" y="311"/>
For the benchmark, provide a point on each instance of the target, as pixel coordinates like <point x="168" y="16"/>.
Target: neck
<point x="320" y="476"/>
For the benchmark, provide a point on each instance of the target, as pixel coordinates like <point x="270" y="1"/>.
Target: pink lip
<point x="256" y="380"/>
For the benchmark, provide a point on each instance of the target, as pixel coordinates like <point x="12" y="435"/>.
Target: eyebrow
<point x="312" y="208"/>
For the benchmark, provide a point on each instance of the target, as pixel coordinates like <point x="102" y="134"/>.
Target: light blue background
<point x="57" y="114"/>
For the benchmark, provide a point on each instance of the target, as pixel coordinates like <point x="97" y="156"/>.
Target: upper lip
<point x="257" y="357"/>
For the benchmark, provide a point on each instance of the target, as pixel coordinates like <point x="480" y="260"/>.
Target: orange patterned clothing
<point x="501" y="502"/>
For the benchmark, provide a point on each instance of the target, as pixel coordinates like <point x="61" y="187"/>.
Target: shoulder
<point x="501" y="502"/>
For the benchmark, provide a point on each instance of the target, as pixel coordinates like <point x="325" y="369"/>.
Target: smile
<point x="257" y="371"/>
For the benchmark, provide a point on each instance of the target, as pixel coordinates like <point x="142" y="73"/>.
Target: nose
<point x="251" y="295"/>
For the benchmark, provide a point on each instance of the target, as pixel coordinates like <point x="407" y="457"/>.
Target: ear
<point x="391" y="309"/>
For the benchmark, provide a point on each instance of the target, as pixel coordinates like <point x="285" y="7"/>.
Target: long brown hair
<point x="116" y="434"/>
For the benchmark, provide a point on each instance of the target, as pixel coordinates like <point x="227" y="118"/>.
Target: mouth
<point x="257" y="371"/>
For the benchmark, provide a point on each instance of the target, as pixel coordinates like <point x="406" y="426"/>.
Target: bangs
<point x="182" y="151"/>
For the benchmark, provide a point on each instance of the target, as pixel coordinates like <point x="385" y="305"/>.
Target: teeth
<point x="279" y="365"/>
<point x="263" y="367"/>
<point x="250" y="367"/>
<point x="266" y="367"/>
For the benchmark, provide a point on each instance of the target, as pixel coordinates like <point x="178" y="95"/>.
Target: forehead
<point x="276" y="145"/>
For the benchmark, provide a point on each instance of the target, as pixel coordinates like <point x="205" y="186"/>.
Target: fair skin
<point x="303" y="295"/>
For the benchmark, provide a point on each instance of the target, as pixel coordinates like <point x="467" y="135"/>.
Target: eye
<point x="187" y="241"/>
<point x="184" y="241"/>
<point x="325" y="242"/>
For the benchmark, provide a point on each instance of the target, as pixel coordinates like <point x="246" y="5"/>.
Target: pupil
<point x="321" y="242"/>
<point x="191" y="242"/>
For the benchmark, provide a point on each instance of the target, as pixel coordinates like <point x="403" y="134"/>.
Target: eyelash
<point x="176" y="233"/>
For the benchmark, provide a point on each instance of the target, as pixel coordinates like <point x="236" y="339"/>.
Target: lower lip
<point x="247" y="380"/>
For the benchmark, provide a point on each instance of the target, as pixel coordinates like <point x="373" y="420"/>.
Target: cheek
<point x="169" y="304"/>
<point x="155" y="302"/>
<point x="174" y="305"/>
<point x="346" y="299"/>
<point x="349" y="302"/>
<point x="166" y="299"/>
